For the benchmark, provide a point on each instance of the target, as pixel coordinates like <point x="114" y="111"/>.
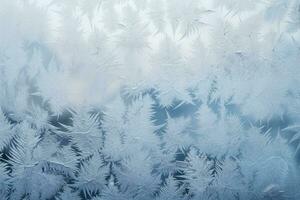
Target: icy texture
<point x="149" y="99"/>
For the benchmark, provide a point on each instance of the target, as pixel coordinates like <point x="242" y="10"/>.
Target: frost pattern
<point x="149" y="99"/>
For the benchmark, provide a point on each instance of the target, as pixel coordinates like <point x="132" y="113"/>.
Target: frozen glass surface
<point x="149" y="99"/>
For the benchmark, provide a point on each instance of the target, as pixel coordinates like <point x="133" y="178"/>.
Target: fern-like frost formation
<point x="149" y="99"/>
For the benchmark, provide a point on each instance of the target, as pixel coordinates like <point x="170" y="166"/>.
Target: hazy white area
<point x="241" y="15"/>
